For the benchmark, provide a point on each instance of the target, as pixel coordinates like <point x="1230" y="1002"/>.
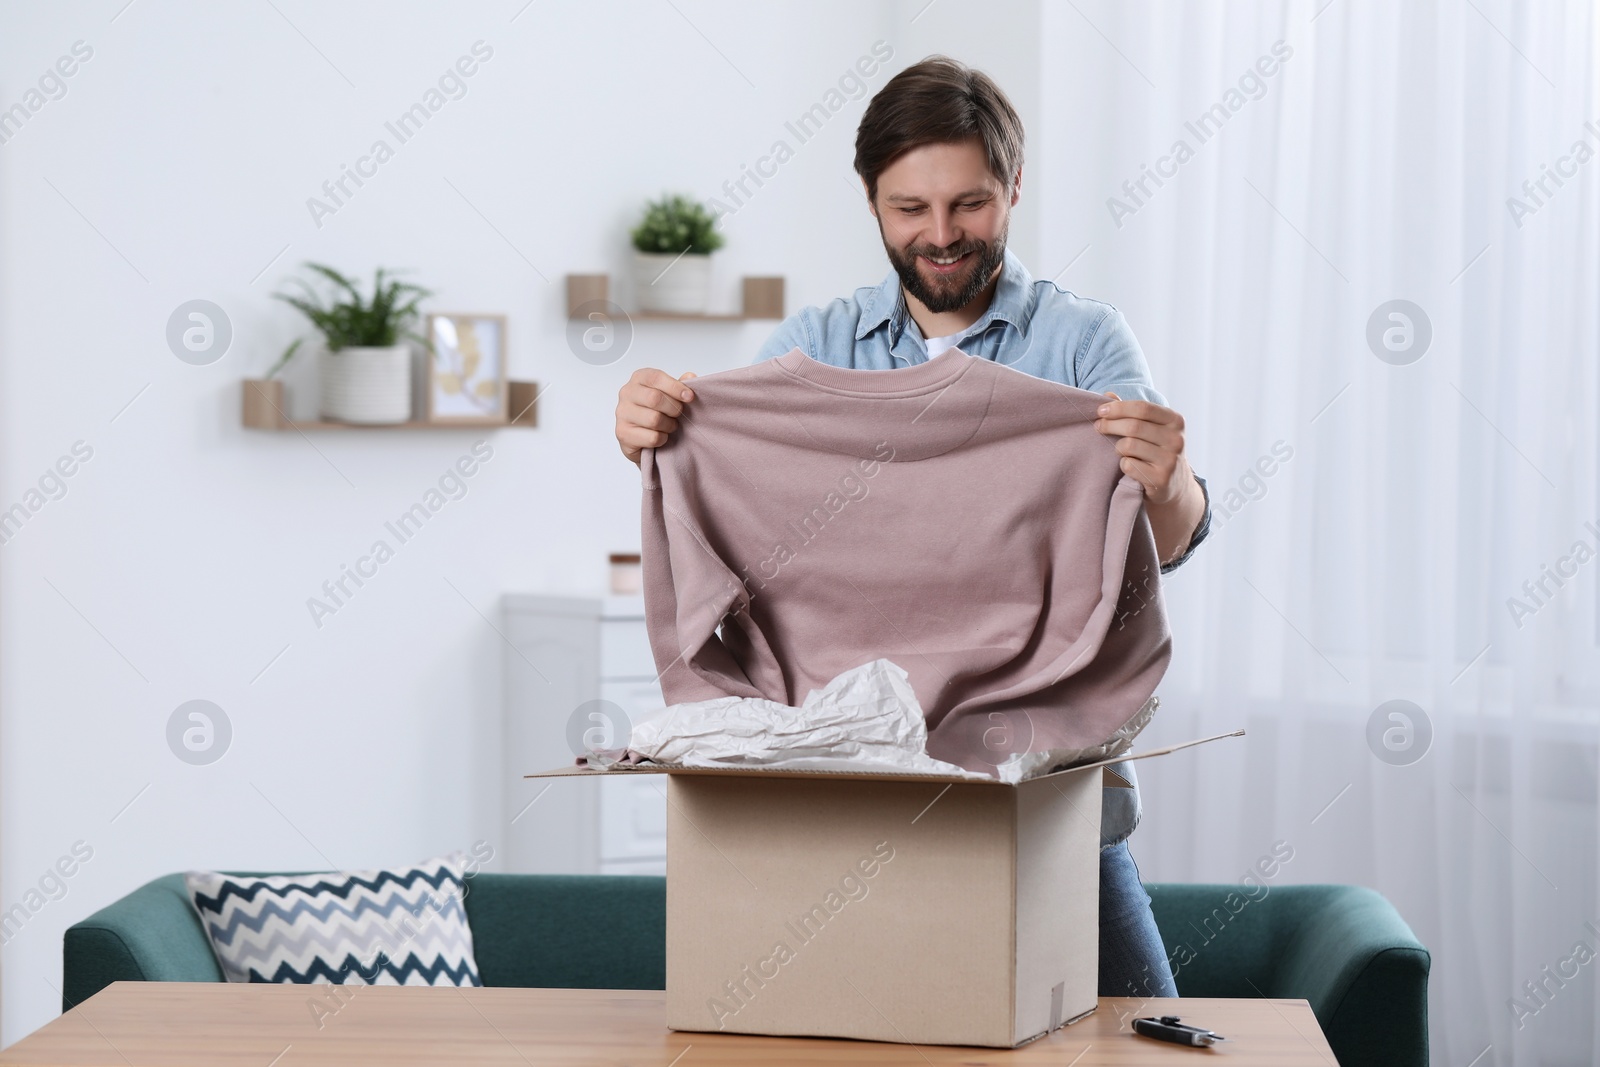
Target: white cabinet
<point x="562" y="654"/>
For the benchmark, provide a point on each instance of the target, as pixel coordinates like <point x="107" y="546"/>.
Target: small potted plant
<point x="672" y="255"/>
<point x="365" y="367"/>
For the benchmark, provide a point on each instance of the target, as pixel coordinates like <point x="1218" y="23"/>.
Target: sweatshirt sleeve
<point x="688" y="592"/>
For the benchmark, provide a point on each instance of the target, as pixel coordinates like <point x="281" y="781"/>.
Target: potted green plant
<point x="672" y="255"/>
<point x="365" y="364"/>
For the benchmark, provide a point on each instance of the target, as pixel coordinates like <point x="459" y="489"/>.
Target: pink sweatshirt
<point x="957" y="517"/>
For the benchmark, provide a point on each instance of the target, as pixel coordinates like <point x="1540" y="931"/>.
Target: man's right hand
<point x="648" y="406"/>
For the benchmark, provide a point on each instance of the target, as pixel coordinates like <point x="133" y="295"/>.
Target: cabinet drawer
<point x="633" y="810"/>
<point x="633" y="817"/>
<point x="635" y="698"/>
<point x="650" y="866"/>
<point x="625" y="650"/>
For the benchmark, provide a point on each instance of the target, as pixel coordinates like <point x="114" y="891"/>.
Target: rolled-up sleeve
<point x="1200" y="531"/>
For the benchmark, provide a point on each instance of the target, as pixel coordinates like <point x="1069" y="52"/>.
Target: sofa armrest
<point x="1344" y="949"/>
<point x="1365" y="973"/>
<point x="150" y="935"/>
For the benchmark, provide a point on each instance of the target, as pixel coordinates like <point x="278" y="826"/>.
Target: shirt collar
<point x="1014" y="301"/>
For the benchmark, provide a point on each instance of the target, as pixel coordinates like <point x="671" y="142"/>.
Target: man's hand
<point x="1150" y="441"/>
<point x="648" y="406"/>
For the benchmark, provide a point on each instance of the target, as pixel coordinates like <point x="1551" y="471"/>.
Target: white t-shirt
<point x="937" y="346"/>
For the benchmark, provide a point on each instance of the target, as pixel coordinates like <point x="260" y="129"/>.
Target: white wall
<point x="178" y="564"/>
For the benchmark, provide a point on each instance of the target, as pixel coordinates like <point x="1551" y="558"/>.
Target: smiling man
<point x="939" y="152"/>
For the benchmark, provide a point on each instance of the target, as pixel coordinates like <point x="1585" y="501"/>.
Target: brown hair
<point x="938" y="101"/>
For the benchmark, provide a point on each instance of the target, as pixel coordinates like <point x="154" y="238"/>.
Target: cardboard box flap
<point x="886" y="775"/>
<point x="622" y="769"/>
<point x="1126" y="756"/>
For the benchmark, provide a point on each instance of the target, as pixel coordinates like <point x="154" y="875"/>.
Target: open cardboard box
<point x="889" y="907"/>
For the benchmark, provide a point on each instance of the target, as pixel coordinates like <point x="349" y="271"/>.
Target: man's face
<point x="944" y="217"/>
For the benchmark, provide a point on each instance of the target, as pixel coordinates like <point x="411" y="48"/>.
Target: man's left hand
<point x="1150" y="441"/>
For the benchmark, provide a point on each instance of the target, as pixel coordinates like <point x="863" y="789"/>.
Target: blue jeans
<point x="1133" y="961"/>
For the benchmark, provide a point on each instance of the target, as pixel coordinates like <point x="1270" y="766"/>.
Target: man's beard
<point x="948" y="292"/>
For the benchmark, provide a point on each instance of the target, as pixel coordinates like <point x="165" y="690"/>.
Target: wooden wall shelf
<point x="761" y="295"/>
<point x="264" y="410"/>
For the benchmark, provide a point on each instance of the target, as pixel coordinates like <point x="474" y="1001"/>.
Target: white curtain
<point x="1375" y="516"/>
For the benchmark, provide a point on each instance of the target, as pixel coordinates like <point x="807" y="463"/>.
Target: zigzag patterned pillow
<point x="400" y="927"/>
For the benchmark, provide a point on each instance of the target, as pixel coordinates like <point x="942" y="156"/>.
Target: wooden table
<point x="175" y="1024"/>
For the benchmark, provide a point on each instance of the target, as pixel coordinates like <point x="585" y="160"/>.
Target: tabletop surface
<point x="143" y="1024"/>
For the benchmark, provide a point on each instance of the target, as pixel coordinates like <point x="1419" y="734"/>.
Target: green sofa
<point x="1343" y="948"/>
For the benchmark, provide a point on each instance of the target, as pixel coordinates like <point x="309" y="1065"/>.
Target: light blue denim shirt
<point x="1033" y="326"/>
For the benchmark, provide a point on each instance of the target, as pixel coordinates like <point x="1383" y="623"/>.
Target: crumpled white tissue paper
<point x="866" y="718"/>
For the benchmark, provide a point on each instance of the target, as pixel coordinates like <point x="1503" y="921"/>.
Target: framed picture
<point x="466" y="368"/>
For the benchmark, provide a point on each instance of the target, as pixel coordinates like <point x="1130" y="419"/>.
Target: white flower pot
<point x="367" y="385"/>
<point x="683" y="286"/>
